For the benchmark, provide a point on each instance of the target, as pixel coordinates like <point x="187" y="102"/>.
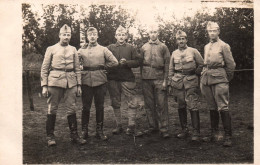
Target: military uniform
<point x="60" y="72"/>
<point x="122" y="80"/>
<point x="96" y="59"/>
<point x="154" y="71"/>
<point x="185" y="66"/>
<point x="218" y="71"/>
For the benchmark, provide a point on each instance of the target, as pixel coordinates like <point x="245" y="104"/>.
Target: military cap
<point x="212" y="25"/>
<point x="92" y="29"/>
<point x="65" y="29"/>
<point x="121" y="29"/>
<point x="180" y="33"/>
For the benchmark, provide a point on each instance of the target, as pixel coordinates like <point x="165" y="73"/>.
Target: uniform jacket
<point x="187" y="60"/>
<point x="60" y="57"/>
<point x="95" y="56"/>
<point x="155" y="58"/>
<point x="123" y="73"/>
<point x="219" y="56"/>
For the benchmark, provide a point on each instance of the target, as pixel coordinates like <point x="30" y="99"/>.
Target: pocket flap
<point x="217" y="75"/>
<point x="176" y="79"/>
<point x="55" y="74"/>
<point x="191" y="77"/>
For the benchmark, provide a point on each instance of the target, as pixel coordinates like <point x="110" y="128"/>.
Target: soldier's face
<point x="213" y="33"/>
<point x="121" y="37"/>
<point x="92" y="37"/>
<point x="181" y="41"/>
<point x="65" y="37"/>
<point x="153" y="34"/>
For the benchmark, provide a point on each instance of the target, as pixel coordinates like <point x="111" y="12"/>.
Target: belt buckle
<point x="65" y="70"/>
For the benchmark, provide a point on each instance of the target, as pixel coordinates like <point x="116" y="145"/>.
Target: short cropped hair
<point x="92" y="29"/>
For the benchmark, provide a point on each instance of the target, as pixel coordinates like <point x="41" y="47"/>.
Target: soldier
<point x="60" y="78"/>
<point x="216" y="74"/>
<point x="95" y="59"/>
<point x="185" y="65"/>
<point x="154" y="71"/>
<point x="122" y="80"/>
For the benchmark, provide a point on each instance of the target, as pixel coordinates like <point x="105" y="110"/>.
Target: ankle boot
<point x="99" y="132"/>
<point x="74" y="137"/>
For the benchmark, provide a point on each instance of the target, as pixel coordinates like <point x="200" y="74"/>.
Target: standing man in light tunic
<point x="96" y="59"/>
<point x="61" y="78"/>
<point x="185" y="65"/>
<point x="155" y="58"/>
<point x="216" y="75"/>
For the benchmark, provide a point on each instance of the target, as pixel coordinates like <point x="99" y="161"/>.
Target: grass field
<point x="146" y="149"/>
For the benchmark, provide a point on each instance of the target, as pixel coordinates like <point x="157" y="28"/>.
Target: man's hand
<point x="164" y="85"/>
<point x="45" y="91"/>
<point x="79" y="92"/>
<point x="122" y="61"/>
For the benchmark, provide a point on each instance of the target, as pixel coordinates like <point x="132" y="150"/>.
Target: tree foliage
<point x="41" y="30"/>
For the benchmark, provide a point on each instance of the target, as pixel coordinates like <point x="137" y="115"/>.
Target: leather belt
<point x="192" y="72"/>
<point x="93" y="68"/>
<point x="213" y="67"/>
<point x="160" y="67"/>
<point x="63" y="69"/>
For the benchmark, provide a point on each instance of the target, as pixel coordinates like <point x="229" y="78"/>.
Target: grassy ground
<point x="147" y="149"/>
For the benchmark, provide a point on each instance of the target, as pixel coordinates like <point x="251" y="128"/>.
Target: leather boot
<point x="118" y="128"/>
<point x="50" y="124"/>
<point x="74" y="137"/>
<point x="99" y="132"/>
<point x="226" y="120"/>
<point x="84" y="121"/>
<point x="195" y="120"/>
<point x="214" y="120"/>
<point x="183" y="121"/>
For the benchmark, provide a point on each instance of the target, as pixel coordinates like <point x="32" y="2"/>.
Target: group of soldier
<point x="162" y="75"/>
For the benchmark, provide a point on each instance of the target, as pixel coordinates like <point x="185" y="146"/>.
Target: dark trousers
<point x="98" y="93"/>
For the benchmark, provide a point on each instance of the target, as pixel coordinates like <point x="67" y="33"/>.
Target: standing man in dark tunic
<point x="122" y="80"/>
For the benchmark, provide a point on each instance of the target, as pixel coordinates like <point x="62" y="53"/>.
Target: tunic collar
<point x="215" y="40"/>
<point x="118" y="44"/>
<point x="90" y="45"/>
<point x="154" y="42"/>
<point x="181" y="49"/>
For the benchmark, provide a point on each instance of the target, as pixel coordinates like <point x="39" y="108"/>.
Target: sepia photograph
<point x="137" y="82"/>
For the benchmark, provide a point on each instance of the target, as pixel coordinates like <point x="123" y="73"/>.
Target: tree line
<point x="40" y="30"/>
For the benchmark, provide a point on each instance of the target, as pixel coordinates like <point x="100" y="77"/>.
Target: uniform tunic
<point x="61" y="83"/>
<point x="122" y="80"/>
<point x="154" y="71"/>
<point x="96" y="56"/>
<point x="218" y="71"/>
<point x="183" y="66"/>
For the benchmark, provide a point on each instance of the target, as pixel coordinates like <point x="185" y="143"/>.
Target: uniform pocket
<point x="217" y="75"/>
<point x="191" y="81"/>
<point x="177" y="82"/>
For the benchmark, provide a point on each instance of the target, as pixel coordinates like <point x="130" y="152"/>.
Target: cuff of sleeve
<point x="44" y="84"/>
